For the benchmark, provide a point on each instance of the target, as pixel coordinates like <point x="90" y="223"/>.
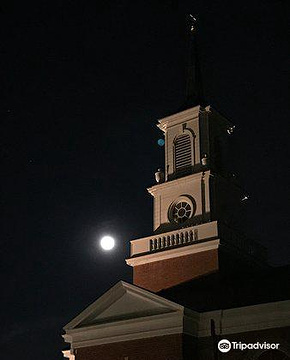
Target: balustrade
<point x="178" y="238"/>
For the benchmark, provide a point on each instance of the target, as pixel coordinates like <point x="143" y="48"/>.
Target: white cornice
<point x="144" y="327"/>
<point x="245" y="319"/>
<point x="172" y="253"/>
<point x="173" y="183"/>
<point x="180" y="117"/>
<point x="115" y="293"/>
<point x="169" y="321"/>
<point x="232" y="321"/>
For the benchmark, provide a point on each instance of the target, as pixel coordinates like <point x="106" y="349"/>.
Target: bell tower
<point x="197" y="219"/>
<point x="195" y="141"/>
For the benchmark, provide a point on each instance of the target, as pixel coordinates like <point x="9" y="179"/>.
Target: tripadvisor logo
<point x="225" y="346"/>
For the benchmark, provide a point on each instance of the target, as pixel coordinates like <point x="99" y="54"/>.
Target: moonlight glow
<point x="107" y="243"/>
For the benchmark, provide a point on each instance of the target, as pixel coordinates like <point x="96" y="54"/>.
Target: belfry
<point x="197" y="203"/>
<point x="199" y="284"/>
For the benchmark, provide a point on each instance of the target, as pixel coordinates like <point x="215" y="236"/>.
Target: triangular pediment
<point x="123" y="302"/>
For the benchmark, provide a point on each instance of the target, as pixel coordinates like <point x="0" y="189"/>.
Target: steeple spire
<point x="194" y="90"/>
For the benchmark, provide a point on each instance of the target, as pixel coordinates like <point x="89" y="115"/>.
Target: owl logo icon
<point x="224" y="346"/>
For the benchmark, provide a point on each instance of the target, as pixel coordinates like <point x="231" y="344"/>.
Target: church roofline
<point x="112" y="295"/>
<point x="169" y="320"/>
<point x="197" y="324"/>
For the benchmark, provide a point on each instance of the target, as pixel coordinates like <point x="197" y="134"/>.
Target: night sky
<point x="82" y="85"/>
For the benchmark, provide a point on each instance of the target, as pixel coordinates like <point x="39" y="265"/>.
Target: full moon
<point x="107" y="243"/>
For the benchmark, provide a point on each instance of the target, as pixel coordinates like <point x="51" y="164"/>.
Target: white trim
<point x="103" y="302"/>
<point x="180" y="322"/>
<point x="146" y="327"/>
<point x="245" y="319"/>
<point x="172" y="253"/>
<point x="205" y="231"/>
<point x="68" y="354"/>
<point x="231" y="321"/>
<point x="115" y="293"/>
<point x="180" y="117"/>
<point x="171" y="184"/>
<point x="175" y="320"/>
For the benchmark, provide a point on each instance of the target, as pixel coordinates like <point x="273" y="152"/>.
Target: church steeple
<point x="197" y="206"/>
<point x="194" y="94"/>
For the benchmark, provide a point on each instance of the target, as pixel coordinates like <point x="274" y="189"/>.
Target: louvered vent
<point x="183" y="155"/>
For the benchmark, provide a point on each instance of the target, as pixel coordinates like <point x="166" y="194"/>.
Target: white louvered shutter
<point x="183" y="155"/>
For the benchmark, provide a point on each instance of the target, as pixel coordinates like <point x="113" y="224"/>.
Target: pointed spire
<point x="194" y="90"/>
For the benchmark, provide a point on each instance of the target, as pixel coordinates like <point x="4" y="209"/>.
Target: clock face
<point x="182" y="209"/>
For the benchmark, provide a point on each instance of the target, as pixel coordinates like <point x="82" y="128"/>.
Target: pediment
<point x="123" y="302"/>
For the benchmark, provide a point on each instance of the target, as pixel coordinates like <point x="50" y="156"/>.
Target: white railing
<point x="190" y="235"/>
<point x="174" y="238"/>
<point x="180" y="237"/>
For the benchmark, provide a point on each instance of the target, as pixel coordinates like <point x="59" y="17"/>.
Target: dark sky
<point x="83" y="84"/>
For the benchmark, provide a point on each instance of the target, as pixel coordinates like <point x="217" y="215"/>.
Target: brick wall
<point x="163" y="274"/>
